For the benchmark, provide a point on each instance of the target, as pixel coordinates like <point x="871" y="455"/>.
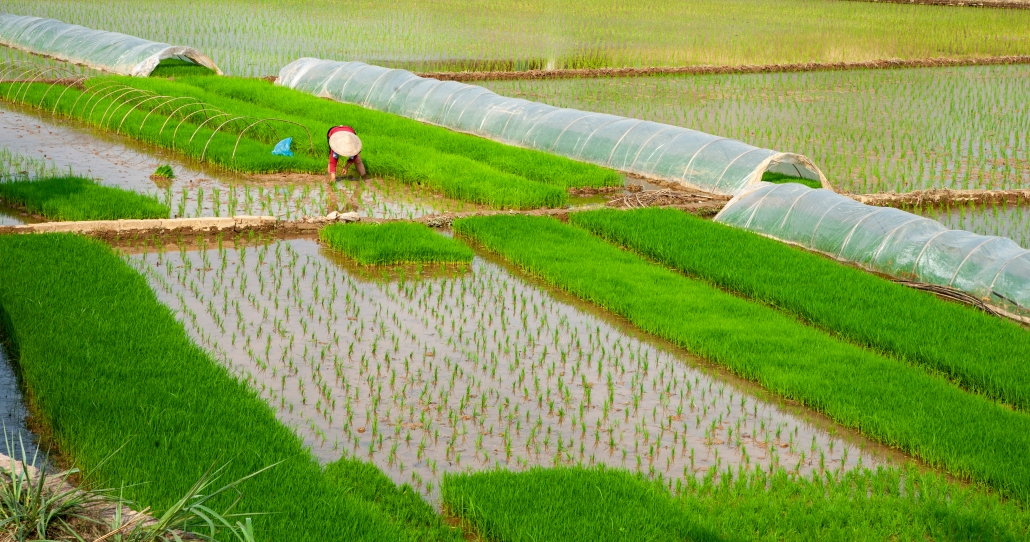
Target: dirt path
<point x="943" y="197"/>
<point x="939" y="62"/>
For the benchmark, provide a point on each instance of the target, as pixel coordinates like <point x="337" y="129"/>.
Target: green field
<point x="77" y="198"/>
<point x="226" y="128"/>
<point x="455" y="35"/>
<point x="868" y="130"/>
<point x="884" y="398"/>
<point x="528" y="365"/>
<point x="393" y="243"/>
<point x="149" y="410"/>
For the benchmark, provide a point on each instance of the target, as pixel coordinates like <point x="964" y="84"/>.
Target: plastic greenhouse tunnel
<point x="887" y="240"/>
<point x="644" y="148"/>
<point x="106" y="51"/>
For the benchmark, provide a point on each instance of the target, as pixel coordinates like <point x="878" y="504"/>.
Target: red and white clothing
<point x="333" y="157"/>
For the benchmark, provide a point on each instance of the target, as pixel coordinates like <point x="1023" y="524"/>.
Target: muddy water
<point x="425" y="373"/>
<point x="200" y="190"/>
<point x="15" y="439"/>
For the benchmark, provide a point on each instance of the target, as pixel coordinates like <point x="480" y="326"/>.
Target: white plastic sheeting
<point x="887" y="240"/>
<point x="649" y="149"/>
<point x="97" y="49"/>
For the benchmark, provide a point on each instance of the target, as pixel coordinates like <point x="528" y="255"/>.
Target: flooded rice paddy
<point x="430" y="371"/>
<point x="198" y="190"/>
<point x="1012" y="221"/>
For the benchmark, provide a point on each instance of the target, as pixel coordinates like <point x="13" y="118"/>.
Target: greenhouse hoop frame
<point x="97" y="49"/>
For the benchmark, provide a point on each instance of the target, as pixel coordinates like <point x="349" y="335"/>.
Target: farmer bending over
<point x="343" y="142"/>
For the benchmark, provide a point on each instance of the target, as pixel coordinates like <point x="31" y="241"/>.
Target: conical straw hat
<point x="345" y="143"/>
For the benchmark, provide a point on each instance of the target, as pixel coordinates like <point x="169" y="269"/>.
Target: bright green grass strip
<point x="111" y="370"/>
<point x="394" y="242"/>
<point x="779" y="178"/>
<point x="888" y="400"/>
<point x="531" y="164"/>
<point x="453" y="175"/>
<point x="77" y="198"/>
<point x="173" y="67"/>
<point x="983" y="353"/>
<point x="573" y="504"/>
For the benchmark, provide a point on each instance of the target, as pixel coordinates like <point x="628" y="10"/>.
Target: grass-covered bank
<point x="78" y="198"/>
<point x="112" y="372"/>
<point x="888" y="400"/>
<point x="984" y="353"/>
<point x="394" y="242"/>
<point x="573" y="504"/>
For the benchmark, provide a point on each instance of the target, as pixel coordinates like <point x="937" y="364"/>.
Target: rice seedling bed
<point x="78" y="198"/>
<point x="123" y="378"/>
<point x="885" y="504"/>
<point x="886" y="399"/>
<point x="982" y="353"/>
<point x="202" y="132"/>
<point x="173" y="67"/>
<point x="869" y="131"/>
<point x="394" y="243"/>
<point x="526" y="163"/>
<point x="457" y="35"/>
<point x="41" y="146"/>
<point x="426" y="372"/>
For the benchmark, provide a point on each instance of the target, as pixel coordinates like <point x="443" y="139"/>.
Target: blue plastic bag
<point x="282" y="148"/>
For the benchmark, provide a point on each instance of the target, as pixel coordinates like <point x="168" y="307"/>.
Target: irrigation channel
<point x="15" y="438"/>
<point x="435" y="370"/>
<point x="198" y="189"/>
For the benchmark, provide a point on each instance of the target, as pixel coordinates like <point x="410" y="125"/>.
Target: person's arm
<point x="332" y="166"/>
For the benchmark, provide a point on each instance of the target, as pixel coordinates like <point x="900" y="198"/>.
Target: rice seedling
<point x="980" y="352"/>
<point x="432" y="371"/>
<point x="886" y="503"/>
<point x="119" y="162"/>
<point x="173" y="67"/>
<point x="164" y="171"/>
<point x="77" y="198"/>
<point x="886" y="399"/>
<point x="869" y="131"/>
<point x="1004" y="220"/>
<point x="197" y="414"/>
<point x="530" y="164"/>
<point x="393" y="243"/>
<point x="459" y="36"/>
<point x="233" y="145"/>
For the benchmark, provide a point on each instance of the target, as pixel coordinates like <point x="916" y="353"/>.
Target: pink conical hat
<point x="345" y="143"/>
